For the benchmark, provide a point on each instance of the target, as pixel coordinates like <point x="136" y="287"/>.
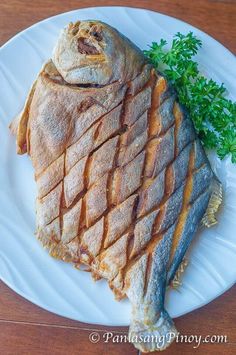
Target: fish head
<point x="94" y="53"/>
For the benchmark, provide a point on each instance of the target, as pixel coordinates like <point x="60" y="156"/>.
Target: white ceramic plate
<point x="24" y="265"/>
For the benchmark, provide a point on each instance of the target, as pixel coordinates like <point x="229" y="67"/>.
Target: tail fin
<point x="153" y="337"/>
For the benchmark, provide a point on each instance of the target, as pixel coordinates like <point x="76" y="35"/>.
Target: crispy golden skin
<point x="123" y="181"/>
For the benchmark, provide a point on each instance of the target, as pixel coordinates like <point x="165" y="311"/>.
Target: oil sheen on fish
<point x="123" y="181"/>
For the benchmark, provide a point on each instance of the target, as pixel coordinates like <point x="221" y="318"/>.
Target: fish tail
<point x="209" y="218"/>
<point x="148" y="337"/>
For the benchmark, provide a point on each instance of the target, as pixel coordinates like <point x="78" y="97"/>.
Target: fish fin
<point x="153" y="337"/>
<point x="19" y="125"/>
<point x="57" y="251"/>
<point x="176" y="282"/>
<point x="209" y="218"/>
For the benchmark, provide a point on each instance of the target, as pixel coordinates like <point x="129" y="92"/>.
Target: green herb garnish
<point x="214" y="115"/>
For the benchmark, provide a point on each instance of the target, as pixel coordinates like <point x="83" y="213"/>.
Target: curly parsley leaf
<point x="214" y="115"/>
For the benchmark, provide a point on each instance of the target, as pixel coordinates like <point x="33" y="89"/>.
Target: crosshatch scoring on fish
<point x="123" y="181"/>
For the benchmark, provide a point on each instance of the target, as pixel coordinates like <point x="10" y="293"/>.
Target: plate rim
<point x="5" y="44"/>
<point x="45" y="20"/>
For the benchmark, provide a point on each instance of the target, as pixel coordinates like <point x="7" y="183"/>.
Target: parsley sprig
<point x="214" y="115"/>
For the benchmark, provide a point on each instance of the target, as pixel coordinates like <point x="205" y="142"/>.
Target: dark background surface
<point x="27" y="329"/>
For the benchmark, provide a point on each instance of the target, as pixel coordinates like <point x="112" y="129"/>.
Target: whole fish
<point x="123" y="181"/>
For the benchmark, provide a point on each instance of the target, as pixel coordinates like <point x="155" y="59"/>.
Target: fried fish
<point x="123" y="181"/>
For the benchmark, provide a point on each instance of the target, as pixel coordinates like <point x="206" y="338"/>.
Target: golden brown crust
<point x="122" y="180"/>
<point x="101" y="174"/>
<point x="91" y="52"/>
